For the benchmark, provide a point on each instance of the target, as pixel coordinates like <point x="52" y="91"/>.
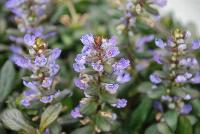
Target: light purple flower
<point x="53" y="69"/>
<point x="29" y="39"/>
<point x="196" y="44"/>
<point x="196" y="78"/>
<point x="97" y="67"/>
<point x="25" y="102"/>
<point x="188" y="75"/>
<point x="80" y="59"/>
<point x="75" y="113"/>
<point x="142" y="41"/>
<point x="15" y="49"/>
<point x="78" y="67"/>
<point x="14" y="3"/>
<point x="21" y="61"/>
<point x="111" y="88"/>
<point x="157" y="57"/>
<point x="160" y="3"/>
<point x="40" y="60"/>
<point x="112" y="41"/>
<point x="47" y="99"/>
<point x="112" y="52"/>
<point x="155" y="79"/>
<point x="188" y="62"/>
<point x="160" y="43"/>
<point x="166" y="98"/>
<point x="181" y="79"/>
<point x="47" y="82"/>
<point x="78" y="83"/>
<point x="87" y="39"/>
<point x="123" y="77"/>
<point x="55" y="53"/>
<point x="121" y="103"/>
<point x="186" y="109"/>
<point x="121" y="64"/>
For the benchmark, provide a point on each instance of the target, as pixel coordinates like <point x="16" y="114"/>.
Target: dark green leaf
<point x="50" y="115"/>
<point x="171" y="118"/>
<point x="83" y="130"/>
<point x="197" y="128"/>
<point x="139" y="116"/>
<point x="184" y="126"/>
<point x="163" y="128"/>
<point x="13" y="119"/>
<point x="88" y="108"/>
<point x="103" y="124"/>
<point x="152" y="130"/>
<point x="6" y="80"/>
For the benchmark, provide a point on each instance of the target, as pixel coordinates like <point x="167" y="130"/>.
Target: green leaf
<point x="6" y="80"/>
<point x="103" y="124"/>
<point x="88" y="108"/>
<point x="197" y="128"/>
<point x="13" y="119"/>
<point x="184" y="126"/>
<point x="163" y="128"/>
<point x="144" y="87"/>
<point x="152" y="130"/>
<point x="139" y="116"/>
<point x="171" y="118"/>
<point x="50" y="115"/>
<point x="83" y="130"/>
<point x="196" y="107"/>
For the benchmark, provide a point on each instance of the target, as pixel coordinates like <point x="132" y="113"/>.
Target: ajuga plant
<point x="41" y="61"/>
<point x="100" y="75"/>
<point x="139" y="16"/>
<point x="171" y="87"/>
<point x="28" y="15"/>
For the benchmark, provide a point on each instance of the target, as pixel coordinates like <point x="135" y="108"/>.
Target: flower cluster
<point x="133" y="10"/>
<point x="28" y="13"/>
<point x="42" y="62"/>
<point x="100" y="73"/>
<point x="180" y="67"/>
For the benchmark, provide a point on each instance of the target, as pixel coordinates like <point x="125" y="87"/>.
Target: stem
<point x="72" y="11"/>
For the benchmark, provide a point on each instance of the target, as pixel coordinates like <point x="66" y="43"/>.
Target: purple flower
<point x="166" y="98"/>
<point x="112" y="52"/>
<point x="53" y="69"/>
<point x="160" y="3"/>
<point x="14" y="3"/>
<point x="40" y="60"/>
<point x="46" y="131"/>
<point x="55" y="53"/>
<point x="78" y="83"/>
<point x="29" y="39"/>
<point x="157" y="57"/>
<point x="121" y="64"/>
<point x="112" y="41"/>
<point x="188" y="62"/>
<point x="196" y="44"/>
<point x="186" y="109"/>
<point x="160" y="43"/>
<point x="181" y="79"/>
<point x="47" y="99"/>
<point x="87" y="39"/>
<point x="15" y="49"/>
<point x="47" y="82"/>
<point x="80" y="59"/>
<point x="142" y="41"/>
<point x="21" y="61"/>
<point x="78" y="67"/>
<point x="75" y="113"/>
<point x="123" y="77"/>
<point x="111" y="88"/>
<point x="97" y="67"/>
<point x="155" y="79"/>
<point x="121" y="103"/>
<point x="158" y="106"/>
<point x="188" y="75"/>
<point x="196" y="78"/>
<point x="25" y="102"/>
